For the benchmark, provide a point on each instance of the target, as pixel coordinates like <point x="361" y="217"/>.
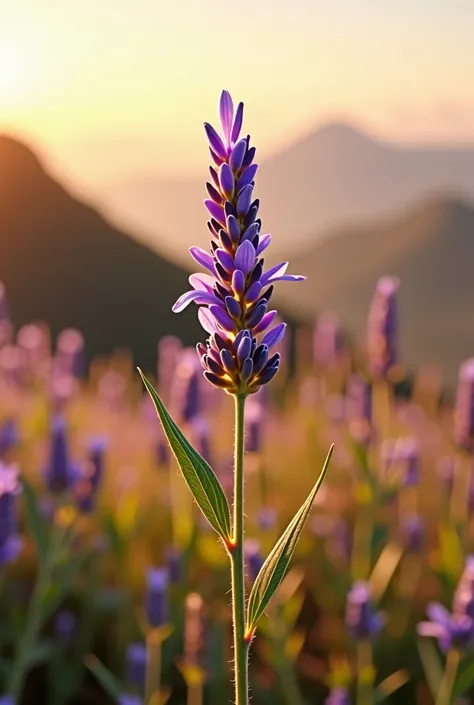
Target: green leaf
<point x="274" y="569"/>
<point x="36" y="523"/>
<point x="464" y="681"/>
<point x="199" y="476"/>
<point x="105" y="678"/>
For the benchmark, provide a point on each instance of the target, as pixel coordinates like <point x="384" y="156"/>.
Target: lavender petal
<point x="215" y="210"/>
<point x="215" y="141"/>
<point x="274" y="336"/>
<point x="237" y="126"/>
<point x="222" y="318"/>
<point x="237" y="155"/>
<point x="226" y="113"/>
<point x="245" y="257"/>
<point x="243" y="201"/>
<point x="203" y="258"/>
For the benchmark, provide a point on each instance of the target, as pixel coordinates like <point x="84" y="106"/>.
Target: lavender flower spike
<point x="10" y="542"/>
<point x="157" y="597"/>
<point x="382" y="327"/>
<point x="361" y="619"/>
<point x="450" y="630"/>
<point x="234" y="297"/>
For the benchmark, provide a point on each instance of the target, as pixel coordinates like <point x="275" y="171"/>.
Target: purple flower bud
<point x="226" y="180"/>
<point x="249" y="157"/>
<point x="214" y="194"/>
<point x="260" y="358"/>
<point x="238" y="282"/>
<point x="237" y="126"/>
<point x="215" y="210"/>
<point x="247" y="177"/>
<point x="246" y="369"/>
<point x="227" y="362"/>
<point x="233" y="228"/>
<point x="135" y="665"/>
<point x="251" y="232"/>
<point x="233" y="307"/>
<point x="243" y="201"/>
<point x="218" y="381"/>
<point x="215" y="141"/>
<point x="156" y="603"/>
<point x="245" y="257"/>
<point x="257" y="314"/>
<point x="214" y="176"/>
<point x="226" y="112"/>
<point x="237" y="155"/>
<point x="244" y="348"/>
<point x="361" y="619"/>
<point x="266" y="321"/>
<point x="275" y="336"/>
<point x="225" y="259"/>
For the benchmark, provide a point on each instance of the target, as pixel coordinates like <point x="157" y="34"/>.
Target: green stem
<point x="30" y="633"/>
<point x="365" y="673"/>
<point x="445" y="693"/>
<point x="241" y="646"/>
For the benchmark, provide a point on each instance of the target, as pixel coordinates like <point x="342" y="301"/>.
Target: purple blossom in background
<point x="9" y="436"/>
<point x="60" y="474"/>
<point x="169" y="349"/>
<point x="326" y="339"/>
<point x="234" y="293"/>
<point x="156" y="601"/>
<point x="162" y="451"/>
<point x="126" y="699"/>
<point x="10" y="541"/>
<point x="382" y="327"/>
<point x="202" y="437"/>
<point x="267" y="518"/>
<point x="450" y="630"/>
<point x="173" y="564"/>
<point x="463" y="431"/>
<point x="361" y="619"/>
<point x="408" y="452"/>
<point x="6" y="700"/>
<point x="254" y="425"/>
<point x="135" y="665"/>
<point x="34" y="342"/>
<point x="185" y="390"/>
<point x="70" y="353"/>
<point x="338" y="696"/>
<point x="253" y="554"/>
<point x="412" y="533"/>
<point x="65" y="626"/>
<point x="90" y="475"/>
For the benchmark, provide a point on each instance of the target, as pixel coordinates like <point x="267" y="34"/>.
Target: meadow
<point x="114" y="589"/>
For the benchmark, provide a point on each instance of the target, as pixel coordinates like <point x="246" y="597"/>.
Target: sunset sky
<point x="110" y="88"/>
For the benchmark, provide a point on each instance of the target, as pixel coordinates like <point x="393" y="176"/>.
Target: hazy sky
<point x="116" y="87"/>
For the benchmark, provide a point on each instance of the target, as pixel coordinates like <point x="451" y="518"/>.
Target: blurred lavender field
<point x="106" y="564"/>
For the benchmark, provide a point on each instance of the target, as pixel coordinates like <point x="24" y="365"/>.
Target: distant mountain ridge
<point x="64" y="263"/>
<point x="335" y="176"/>
<point x="431" y="249"/>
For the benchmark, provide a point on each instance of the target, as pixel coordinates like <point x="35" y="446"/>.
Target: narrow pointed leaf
<point x="104" y="677"/>
<point x="36" y="522"/>
<point x="276" y="565"/>
<point x="199" y="476"/>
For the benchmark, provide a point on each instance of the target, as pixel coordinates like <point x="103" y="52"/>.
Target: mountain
<point x="431" y="250"/>
<point x="335" y="176"/>
<point x="63" y="262"/>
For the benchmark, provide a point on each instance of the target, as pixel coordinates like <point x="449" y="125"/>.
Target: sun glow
<point x="15" y="73"/>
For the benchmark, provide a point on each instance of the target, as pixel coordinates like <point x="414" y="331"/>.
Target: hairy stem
<point x="241" y="647"/>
